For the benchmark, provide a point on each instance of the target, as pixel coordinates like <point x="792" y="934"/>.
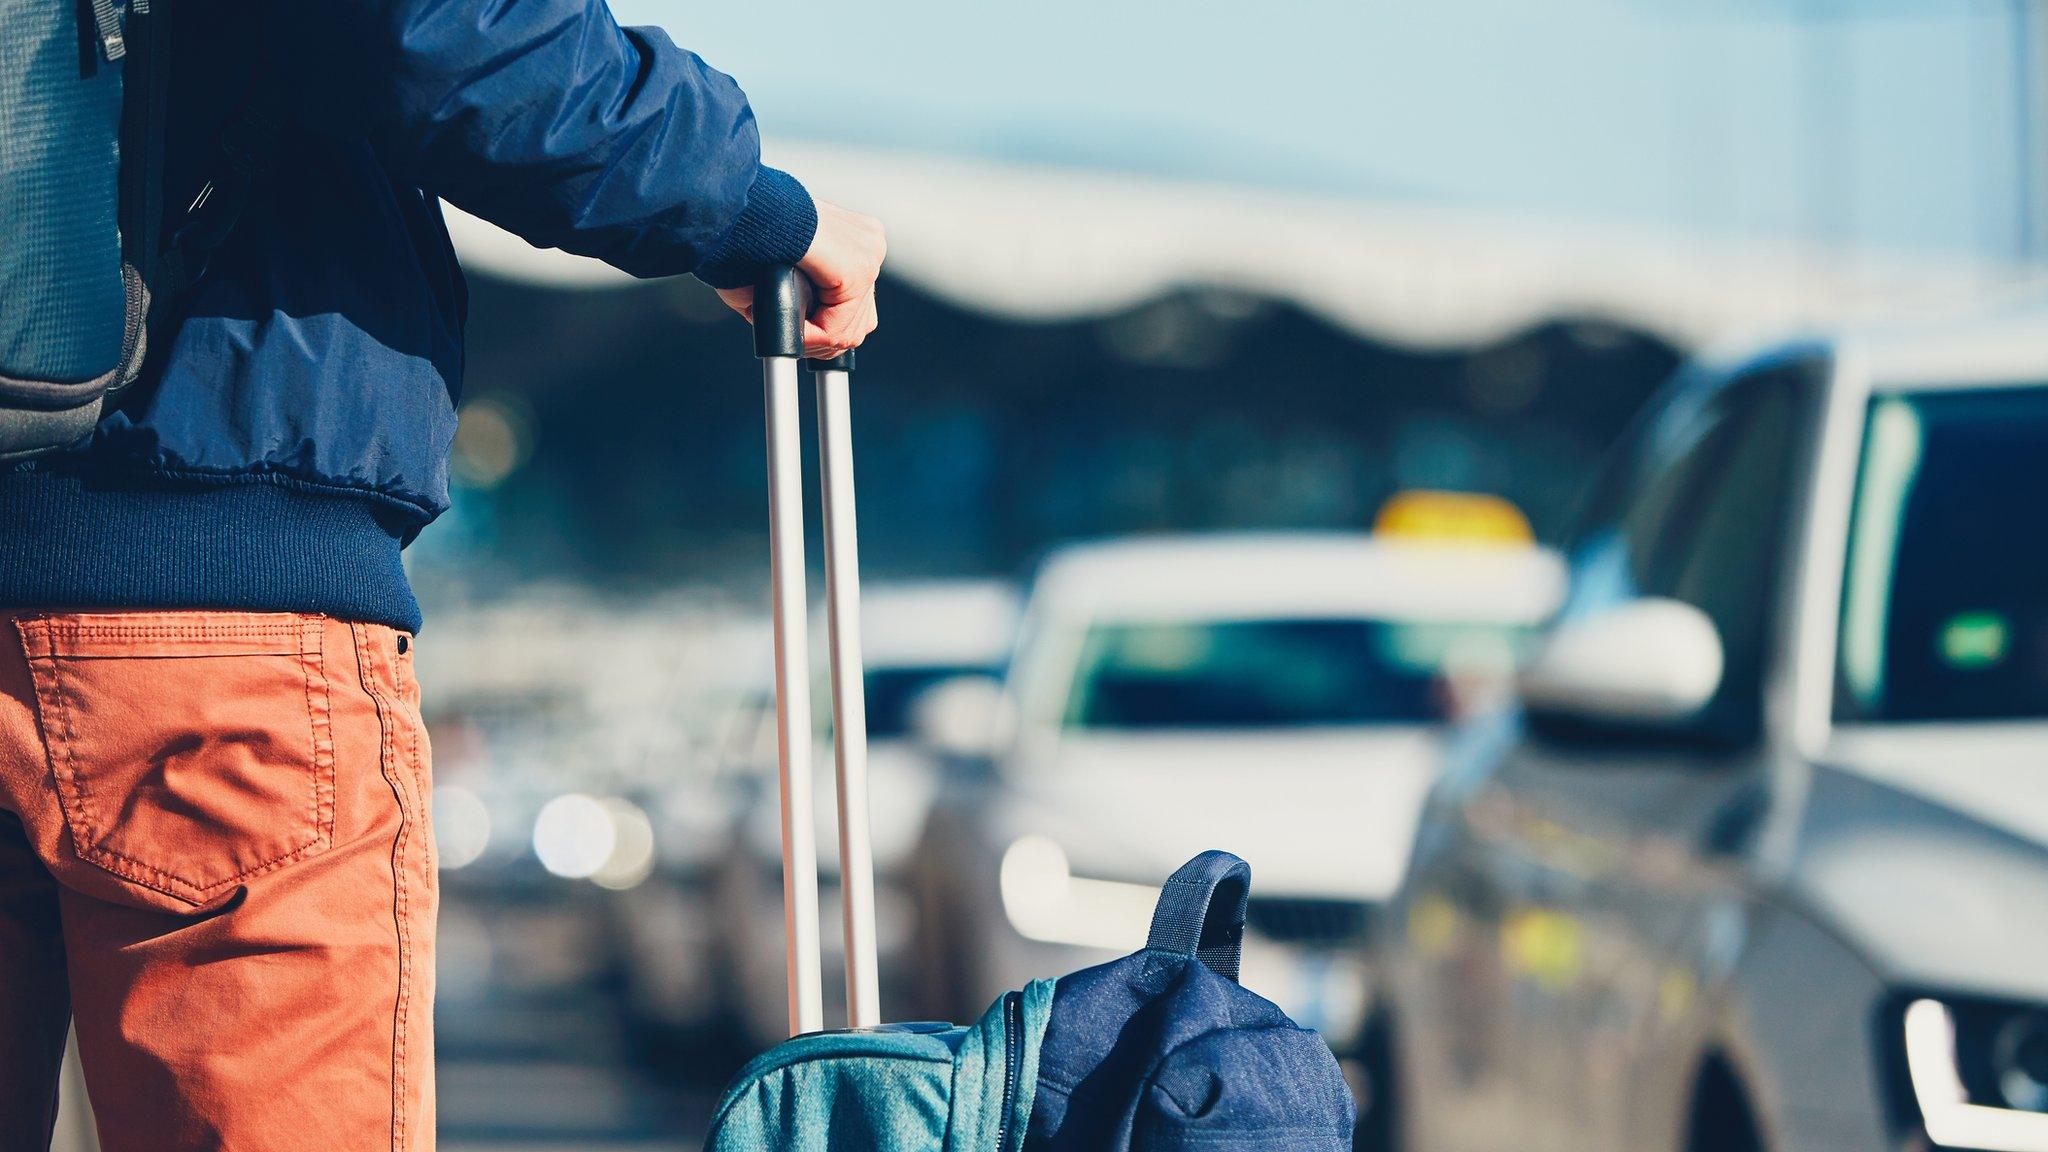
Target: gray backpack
<point x="84" y="269"/>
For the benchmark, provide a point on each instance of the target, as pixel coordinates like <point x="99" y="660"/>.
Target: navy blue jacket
<point x="295" y="431"/>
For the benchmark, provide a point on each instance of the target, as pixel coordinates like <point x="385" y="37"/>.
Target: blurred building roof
<point x="1046" y="243"/>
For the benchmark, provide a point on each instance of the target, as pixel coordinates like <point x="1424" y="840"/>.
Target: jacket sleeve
<point x="548" y="119"/>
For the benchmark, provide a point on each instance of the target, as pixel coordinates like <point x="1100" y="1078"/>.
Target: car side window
<point x="1653" y="526"/>
<point x="1728" y="562"/>
<point x="1621" y="548"/>
<point x="1637" y="495"/>
<point x="1710" y="532"/>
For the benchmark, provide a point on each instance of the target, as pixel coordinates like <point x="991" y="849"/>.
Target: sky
<point x="1871" y="124"/>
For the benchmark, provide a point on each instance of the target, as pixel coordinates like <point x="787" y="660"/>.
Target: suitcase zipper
<point x="106" y="22"/>
<point x="1013" y="1064"/>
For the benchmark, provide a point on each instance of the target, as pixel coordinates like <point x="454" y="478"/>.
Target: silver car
<point x="1761" y="860"/>
<point x="1276" y="694"/>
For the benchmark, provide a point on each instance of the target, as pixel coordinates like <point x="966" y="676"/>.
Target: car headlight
<point x="1979" y="1074"/>
<point x="1046" y="902"/>
<point x="462" y="826"/>
<point x="609" y="842"/>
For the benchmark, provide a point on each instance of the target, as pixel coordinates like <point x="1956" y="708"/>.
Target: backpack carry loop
<point x="1202" y="910"/>
<point x="781" y="303"/>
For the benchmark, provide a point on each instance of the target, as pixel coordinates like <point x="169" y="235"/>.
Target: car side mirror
<point x="960" y="719"/>
<point x="1647" y="664"/>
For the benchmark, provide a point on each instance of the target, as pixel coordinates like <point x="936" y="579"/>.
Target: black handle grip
<point x="782" y="299"/>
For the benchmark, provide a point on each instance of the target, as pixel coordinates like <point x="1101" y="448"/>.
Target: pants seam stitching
<point x="401" y="1017"/>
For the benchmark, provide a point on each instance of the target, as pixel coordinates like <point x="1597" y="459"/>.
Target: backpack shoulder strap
<point x="246" y="149"/>
<point x="247" y="145"/>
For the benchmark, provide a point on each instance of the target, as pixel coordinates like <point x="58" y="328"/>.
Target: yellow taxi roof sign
<point x="1453" y="517"/>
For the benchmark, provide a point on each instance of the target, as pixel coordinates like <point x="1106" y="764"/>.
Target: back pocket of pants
<point x="190" y="750"/>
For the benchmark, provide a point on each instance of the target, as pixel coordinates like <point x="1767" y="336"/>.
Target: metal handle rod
<point x="793" y="695"/>
<point x="849" y="697"/>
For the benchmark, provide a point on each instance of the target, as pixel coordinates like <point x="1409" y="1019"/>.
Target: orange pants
<point x="215" y="855"/>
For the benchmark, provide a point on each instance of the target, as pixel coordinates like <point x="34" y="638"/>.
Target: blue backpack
<point x="92" y="260"/>
<point x="72" y="296"/>
<point x="1160" y="1051"/>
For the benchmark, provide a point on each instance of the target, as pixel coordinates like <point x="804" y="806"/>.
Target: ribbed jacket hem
<point x="75" y="542"/>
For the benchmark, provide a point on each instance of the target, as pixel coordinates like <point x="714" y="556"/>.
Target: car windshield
<point x="1267" y="673"/>
<point x="1945" y="600"/>
<point x="891" y="691"/>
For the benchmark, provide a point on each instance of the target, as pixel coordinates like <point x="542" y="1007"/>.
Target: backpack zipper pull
<point x="107" y="21"/>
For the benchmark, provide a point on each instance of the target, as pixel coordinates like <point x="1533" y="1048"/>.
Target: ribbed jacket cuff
<point x="774" y="229"/>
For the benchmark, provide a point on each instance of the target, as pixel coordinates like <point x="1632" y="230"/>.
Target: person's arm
<point x="547" y="118"/>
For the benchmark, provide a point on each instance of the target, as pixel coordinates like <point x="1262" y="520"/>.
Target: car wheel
<point x="1722" y="1118"/>
<point x="1375" y="1086"/>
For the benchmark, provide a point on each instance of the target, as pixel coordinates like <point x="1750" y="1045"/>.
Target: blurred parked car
<point x="914" y="636"/>
<point x="524" y="825"/>
<point x="574" y="793"/>
<point x="1762" y="861"/>
<point x="1274" y="694"/>
<point x="664" y="928"/>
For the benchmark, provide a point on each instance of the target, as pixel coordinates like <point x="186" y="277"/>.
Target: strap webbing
<point x="1201" y="912"/>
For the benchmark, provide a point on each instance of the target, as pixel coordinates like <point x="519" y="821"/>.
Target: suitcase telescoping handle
<point x="781" y="303"/>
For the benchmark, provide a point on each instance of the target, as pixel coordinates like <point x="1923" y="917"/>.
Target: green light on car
<point x="1974" y="640"/>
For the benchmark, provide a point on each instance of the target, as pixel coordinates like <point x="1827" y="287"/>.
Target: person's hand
<point x="844" y="260"/>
